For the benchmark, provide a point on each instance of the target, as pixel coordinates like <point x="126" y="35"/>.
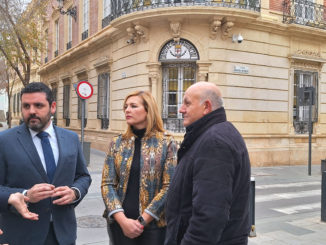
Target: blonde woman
<point x="137" y="173"/>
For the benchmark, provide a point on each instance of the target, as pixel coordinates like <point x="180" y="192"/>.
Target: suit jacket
<point x="21" y="168"/>
<point x="4" y="201"/>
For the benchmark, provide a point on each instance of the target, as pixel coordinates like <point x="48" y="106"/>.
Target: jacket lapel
<point x="25" y="139"/>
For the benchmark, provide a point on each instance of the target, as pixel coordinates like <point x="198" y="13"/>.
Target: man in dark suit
<point x="208" y="197"/>
<point x="45" y="163"/>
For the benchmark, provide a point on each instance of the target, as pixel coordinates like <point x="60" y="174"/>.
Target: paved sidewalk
<point x="91" y="225"/>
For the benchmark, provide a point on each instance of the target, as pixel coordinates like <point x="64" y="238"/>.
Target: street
<point x="288" y="206"/>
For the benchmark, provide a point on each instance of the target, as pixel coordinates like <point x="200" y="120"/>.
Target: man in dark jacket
<point x="208" y="198"/>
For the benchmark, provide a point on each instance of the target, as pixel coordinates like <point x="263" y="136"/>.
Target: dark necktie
<point x="48" y="154"/>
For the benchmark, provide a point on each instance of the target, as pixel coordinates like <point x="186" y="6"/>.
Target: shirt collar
<point x="49" y="130"/>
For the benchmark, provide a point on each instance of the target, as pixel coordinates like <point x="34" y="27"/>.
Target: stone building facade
<point x="267" y="57"/>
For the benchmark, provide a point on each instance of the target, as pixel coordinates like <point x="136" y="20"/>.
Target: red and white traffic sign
<point x="84" y="90"/>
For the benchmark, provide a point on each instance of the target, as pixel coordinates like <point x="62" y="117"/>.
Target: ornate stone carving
<point x="214" y="27"/>
<point x="136" y="33"/>
<point x="226" y="28"/>
<point x="308" y="53"/>
<point x="141" y="32"/>
<point x="306" y="65"/>
<point x="132" y="34"/>
<point x="175" y="30"/>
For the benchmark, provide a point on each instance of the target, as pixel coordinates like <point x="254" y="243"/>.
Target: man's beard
<point x="40" y="125"/>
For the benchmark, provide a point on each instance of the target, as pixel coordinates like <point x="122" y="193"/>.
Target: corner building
<point x="267" y="57"/>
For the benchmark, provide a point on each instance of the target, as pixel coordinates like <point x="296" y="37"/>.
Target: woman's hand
<point x="131" y="228"/>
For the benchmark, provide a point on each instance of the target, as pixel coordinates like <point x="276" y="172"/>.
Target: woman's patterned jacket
<point x="158" y="159"/>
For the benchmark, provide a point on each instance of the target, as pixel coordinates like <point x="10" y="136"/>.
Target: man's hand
<point x="66" y="194"/>
<point x="39" y="192"/>
<point x="18" y="201"/>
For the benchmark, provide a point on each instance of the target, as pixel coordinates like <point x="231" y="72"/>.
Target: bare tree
<point x="7" y="83"/>
<point x="21" y="36"/>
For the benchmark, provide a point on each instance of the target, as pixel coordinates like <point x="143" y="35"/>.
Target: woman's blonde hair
<point x="153" y="118"/>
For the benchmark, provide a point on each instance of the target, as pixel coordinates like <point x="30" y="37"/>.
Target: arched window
<point x="179" y="72"/>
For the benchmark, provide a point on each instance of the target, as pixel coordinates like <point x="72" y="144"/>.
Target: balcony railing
<point x="122" y="7"/>
<point x="106" y="21"/>
<point x="305" y="13"/>
<point x="85" y="35"/>
<point x="68" y="45"/>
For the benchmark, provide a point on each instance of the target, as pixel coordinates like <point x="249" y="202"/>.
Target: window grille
<point x="177" y="78"/>
<point x="103" y="100"/>
<point x="304" y="82"/>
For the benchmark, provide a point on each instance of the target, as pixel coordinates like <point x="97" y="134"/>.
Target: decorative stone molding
<point x="132" y="34"/>
<point x="66" y="75"/>
<point x="141" y="32"/>
<point x="137" y="32"/>
<point x="214" y="27"/>
<point x="53" y="80"/>
<point x="308" y="53"/>
<point x="226" y="28"/>
<point x="154" y="76"/>
<point x="102" y="62"/>
<point x="203" y="70"/>
<point x="82" y="71"/>
<point x="175" y="27"/>
<point x="307" y="59"/>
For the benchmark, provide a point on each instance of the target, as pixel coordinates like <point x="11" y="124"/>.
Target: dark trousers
<point x="150" y="236"/>
<point x="51" y="239"/>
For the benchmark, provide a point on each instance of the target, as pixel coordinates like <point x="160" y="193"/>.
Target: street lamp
<point x="72" y="11"/>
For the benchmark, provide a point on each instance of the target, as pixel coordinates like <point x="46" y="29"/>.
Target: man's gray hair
<point x="213" y="97"/>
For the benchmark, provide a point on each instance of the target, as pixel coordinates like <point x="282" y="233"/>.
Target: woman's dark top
<point x="131" y="202"/>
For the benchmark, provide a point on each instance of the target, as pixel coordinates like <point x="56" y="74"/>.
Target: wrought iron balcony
<point x="68" y="45"/>
<point x="122" y="7"/>
<point x="85" y="35"/>
<point x="304" y="12"/>
<point x="106" y="21"/>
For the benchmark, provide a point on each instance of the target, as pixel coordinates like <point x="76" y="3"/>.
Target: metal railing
<point x="106" y="21"/>
<point x="304" y="12"/>
<point x="69" y="45"/>
<point x="122" y="7"/>
<point x="85" y="35"/>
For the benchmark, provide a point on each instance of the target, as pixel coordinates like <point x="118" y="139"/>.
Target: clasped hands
<point x="38" y="192"/>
